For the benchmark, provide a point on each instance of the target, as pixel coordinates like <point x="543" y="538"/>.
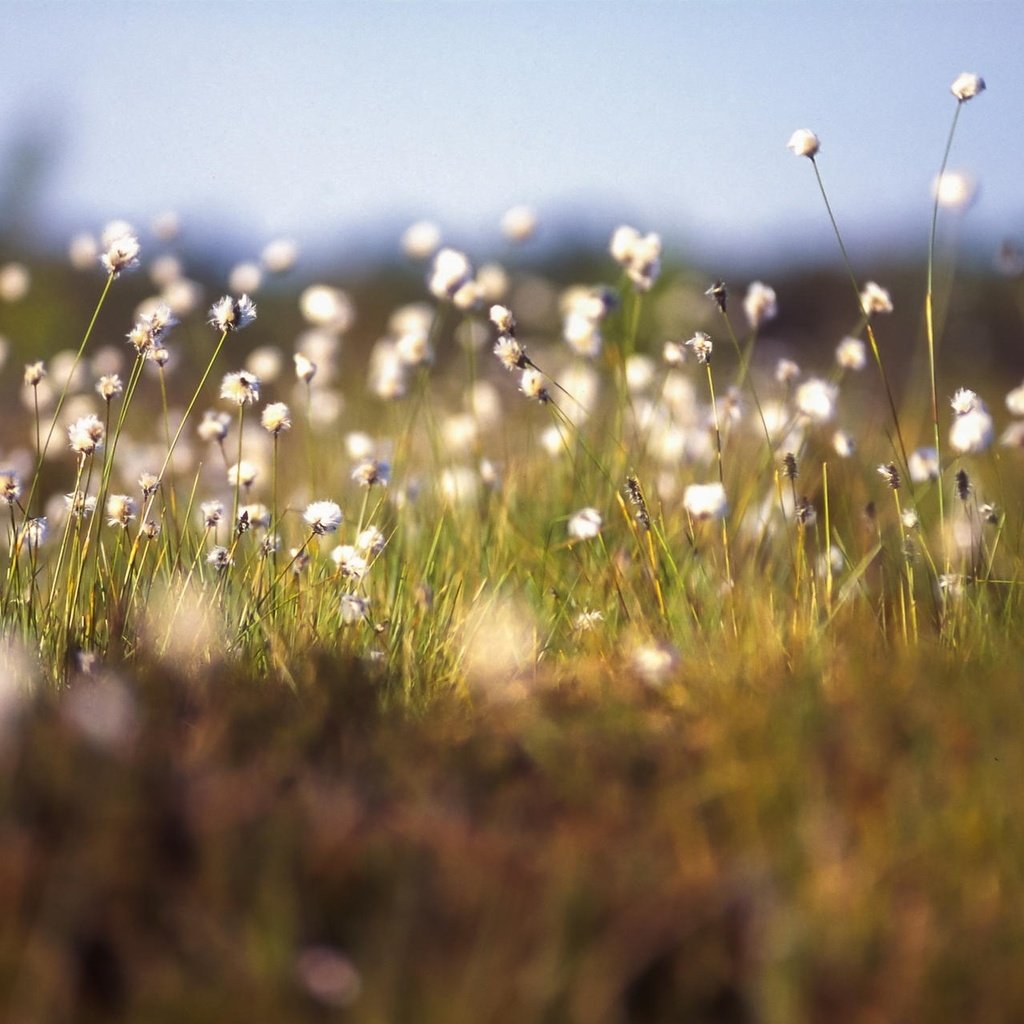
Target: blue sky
<point x="326" y="121"/>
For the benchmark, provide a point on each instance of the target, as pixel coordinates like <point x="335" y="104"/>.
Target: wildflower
<point x="150" y="329"/>
<point x="518" y="223"/>
<point x="786" y="371"/>
<point x="79" y="505"/>
<point x="279" y="255"/>
<point x="531" y="384"/>
<point x="270" y="544"/>
<point x="151" y="530"/>
<point x="989" y="513"/>
<point x="816" y="399"/>
<point x="805" y="513"/>
<point x="719" y="293"/>
<point x="951" y="585"/>
<point x="421" y="240"/>
<point x="276" y="417"/>
<point x="674" y="353"/>
<point x="636" y="498"/>
<point x="964" y="401"/>
<point x="34" y="373"/>
<point x="35" y="531"/>
<point x="804" y="142"/>
<point x="241" y="388"/>
<point x="510" y="353"/>
<point x="122" y="254"/>
<point x="242" y="474"/>
<point x="219" y="557"/>
<point x="851" y="354"/>
<point x="702" y="347"/>
<point x="351" y="565"/>
<point x="705" y="501"/>
<point x="955" y="190"/>
<point x="1015" y="400"/>
<point x="468" y="296"/>
<point x="414" y="349"/>
<point x="587" y="621"/>
<point x="923" y="465"/>
<point x="450" y="272"/>
<point x="109" y="386"/>
<point x="148" y="482"/>
<point x="86" y="435"/>
<point x="214" y="426"/>
<point x="322" y="517"/>
<point x="844" y="444"/>
<point x="213" y="513"/>
<point x="161" y="356"/>
<point x="324" y="306"/>
<point x="760" y="304"/>
<point x="372" y="471"/>
<point x="966" y="86"/>
<point x="891" y="474"/>
<point x="655" y="662"/>
<point x="963" y="484"/>
<point x="371" y="541"/>
<point x="585" y="524"/>
<point x="305" y="368"/>
<point x="229" y="314"/>
<point x="354" y="608"/>
<point x="10" y="486"/>
<point x="120" y="510"/>
<point x="639" y="255"/>
<point x="910" y="519"/>
<point x="875" y="299"/>
<point x="256" y="515"/>
<point x="1013" y="435"/>
<point x="15" y="281"/>
<point x="502" y="318"/>
<point x="972" y="430"/>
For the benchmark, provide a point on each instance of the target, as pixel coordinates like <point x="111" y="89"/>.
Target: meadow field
<point x="494" y="637"/>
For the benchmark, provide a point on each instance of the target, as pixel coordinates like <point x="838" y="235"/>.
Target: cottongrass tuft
<point x="323" y="517"/>
<point x="229" y="314"/>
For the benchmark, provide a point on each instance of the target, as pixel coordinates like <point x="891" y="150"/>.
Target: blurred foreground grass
<point x="829" y="838"/>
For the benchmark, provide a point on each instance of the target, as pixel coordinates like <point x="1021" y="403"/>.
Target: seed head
<point x="122" y="254"/>
<point x="963" y="484"/>
<point x="276" y="418"/>
<point x="229" y="314"/>
<point x="510" y="353"/>
<point x="585" y="524"/>
<point x="531" y="384"/>
<point x="120" y="510"/>
<point x="241" y="388"/>
<point x="720" y="294"/>
<point x="702" y="347"/>
<point x="219" y="557"/>
<point x="243" y="474"/>
<point x="213" y="513"/>
<point x="803" y="142"/>
<point x="109" y="386"/>
<point x="371" y="472"/>
<point x="305" y="368"/>
<point x="966" y="86"/>
<point x="502" y="318"/>
<point x="148" y="483"/>
<point x="760" y="304"/>
<point x="322" y="517"/>
<point x="875" y="299"/>
<point x="891" y="474"/>
<point x="10" y="486"/>
<point x="789" y="466"/>
<point x="214" y="426"/>
<point x="851" y="354"/>
<point x="705" y="501"/>
<point x="86" y="435"/>
<point x="450" y="272"/>
<point x="34" y="373"/>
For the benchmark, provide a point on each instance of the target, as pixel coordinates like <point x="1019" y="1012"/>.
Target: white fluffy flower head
<point x="322" y="517"/>
<point x="803" y="142"/>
